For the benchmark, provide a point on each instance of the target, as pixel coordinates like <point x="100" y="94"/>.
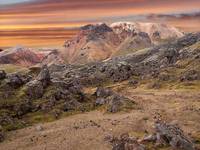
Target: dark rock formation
<point x="15" y="80"/>
<point x="44" y="76"/>
<point x="173" y="135"/>
<point x="35" y="88"/>
<point x="190" y="75"/>
<point x="2" y="74"/>
<point x="114" y="101"/>
<point x="125" y="142"/>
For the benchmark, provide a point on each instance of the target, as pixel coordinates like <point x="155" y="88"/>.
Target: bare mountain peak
<point x="100" y="27"/>
<point x="163" y="30"/>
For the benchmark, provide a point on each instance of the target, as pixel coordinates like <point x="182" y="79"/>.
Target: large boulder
<point x="115" y="103"/>
<point x="173" y="135"/>
<point x="2" y="74"/>
<point x="103" y="92"/>
<point x="190" y="75"/>
<point x="44" y="76"/>
<point x="34" y="89"/>
<point x="112" y="100"/>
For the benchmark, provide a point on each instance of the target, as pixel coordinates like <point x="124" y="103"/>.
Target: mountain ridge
<point x="120" y="36"/>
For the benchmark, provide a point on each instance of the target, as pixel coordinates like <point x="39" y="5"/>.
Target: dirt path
<point x="87" y="131"/>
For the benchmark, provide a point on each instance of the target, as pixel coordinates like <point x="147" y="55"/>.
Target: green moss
<point x="13" y="68"/>
<point x="14" y="126"/>
<point x="37" y="117"/>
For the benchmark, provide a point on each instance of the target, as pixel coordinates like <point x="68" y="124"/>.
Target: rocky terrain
<point x="155" y="86"/>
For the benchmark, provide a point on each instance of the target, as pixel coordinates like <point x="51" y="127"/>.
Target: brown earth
<point x="88" y="131"/>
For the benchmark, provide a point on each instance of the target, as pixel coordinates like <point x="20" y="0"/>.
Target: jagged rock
<point x="115" y="103"/>
<point x="23" y="108"/>
<point x="2" y="74"/>
<point x="125" y="142"/>
<point x="190" y="75"/>
<point x="15" y="80"/>
<point x="103" y="92"/>
<point x="173" y="135"/>
<point x="101" y="101"/>
<point x="171" y="55"/>
<point x="44" y="76"/>
<point x="34" y="89"/>
<point x="2" y="134"/>
<point x="118" y="72"/>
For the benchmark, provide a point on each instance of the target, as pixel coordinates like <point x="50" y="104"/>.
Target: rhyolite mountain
<point x="94" y="43"/>
<point x="102" y="41"/>
<point x="27" y="57"/>
<point x="21" y="56"/>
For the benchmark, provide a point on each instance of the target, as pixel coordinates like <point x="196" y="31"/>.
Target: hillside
<point x="126" y="94"/>
<point x="21" y="56"/>
<point x="101" y="41"/>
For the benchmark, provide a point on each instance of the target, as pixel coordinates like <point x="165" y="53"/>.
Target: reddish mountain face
<point x="100" y="41"/>
<point x="93" y="42"/>
<point x="21" y="56"/>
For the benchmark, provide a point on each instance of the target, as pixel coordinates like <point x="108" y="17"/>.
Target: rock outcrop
<point x="35" y="88"/>
<point x="125" y="142"/>
<point x="114" y="101"/>
<point x="2" y="74"/>
<point x="172" y="135"/>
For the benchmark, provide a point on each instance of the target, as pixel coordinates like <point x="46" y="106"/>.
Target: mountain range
<point x="95" y="42"/>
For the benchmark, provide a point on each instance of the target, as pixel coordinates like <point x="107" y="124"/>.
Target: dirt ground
<point x="88" y="131"/>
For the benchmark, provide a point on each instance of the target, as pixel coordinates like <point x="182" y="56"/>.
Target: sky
<point x="29" y="21"/>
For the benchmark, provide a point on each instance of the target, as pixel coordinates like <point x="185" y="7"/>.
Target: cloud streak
<point x="68" y="14"/>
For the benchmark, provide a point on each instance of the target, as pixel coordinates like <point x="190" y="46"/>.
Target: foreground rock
<point x="165" y="135"/>
<point x="125" y="142"/>
<point x="174" y="136"/>
<point x="16" y="80"/>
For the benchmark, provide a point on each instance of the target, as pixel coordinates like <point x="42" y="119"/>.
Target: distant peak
<point x="100" y="27"/>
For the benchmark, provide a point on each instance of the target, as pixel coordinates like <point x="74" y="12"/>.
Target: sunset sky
<point x="40" y="22"/>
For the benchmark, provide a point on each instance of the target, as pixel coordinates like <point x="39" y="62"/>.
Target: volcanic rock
<point x="173" y="135"/>
<point x="2" y="74"/>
